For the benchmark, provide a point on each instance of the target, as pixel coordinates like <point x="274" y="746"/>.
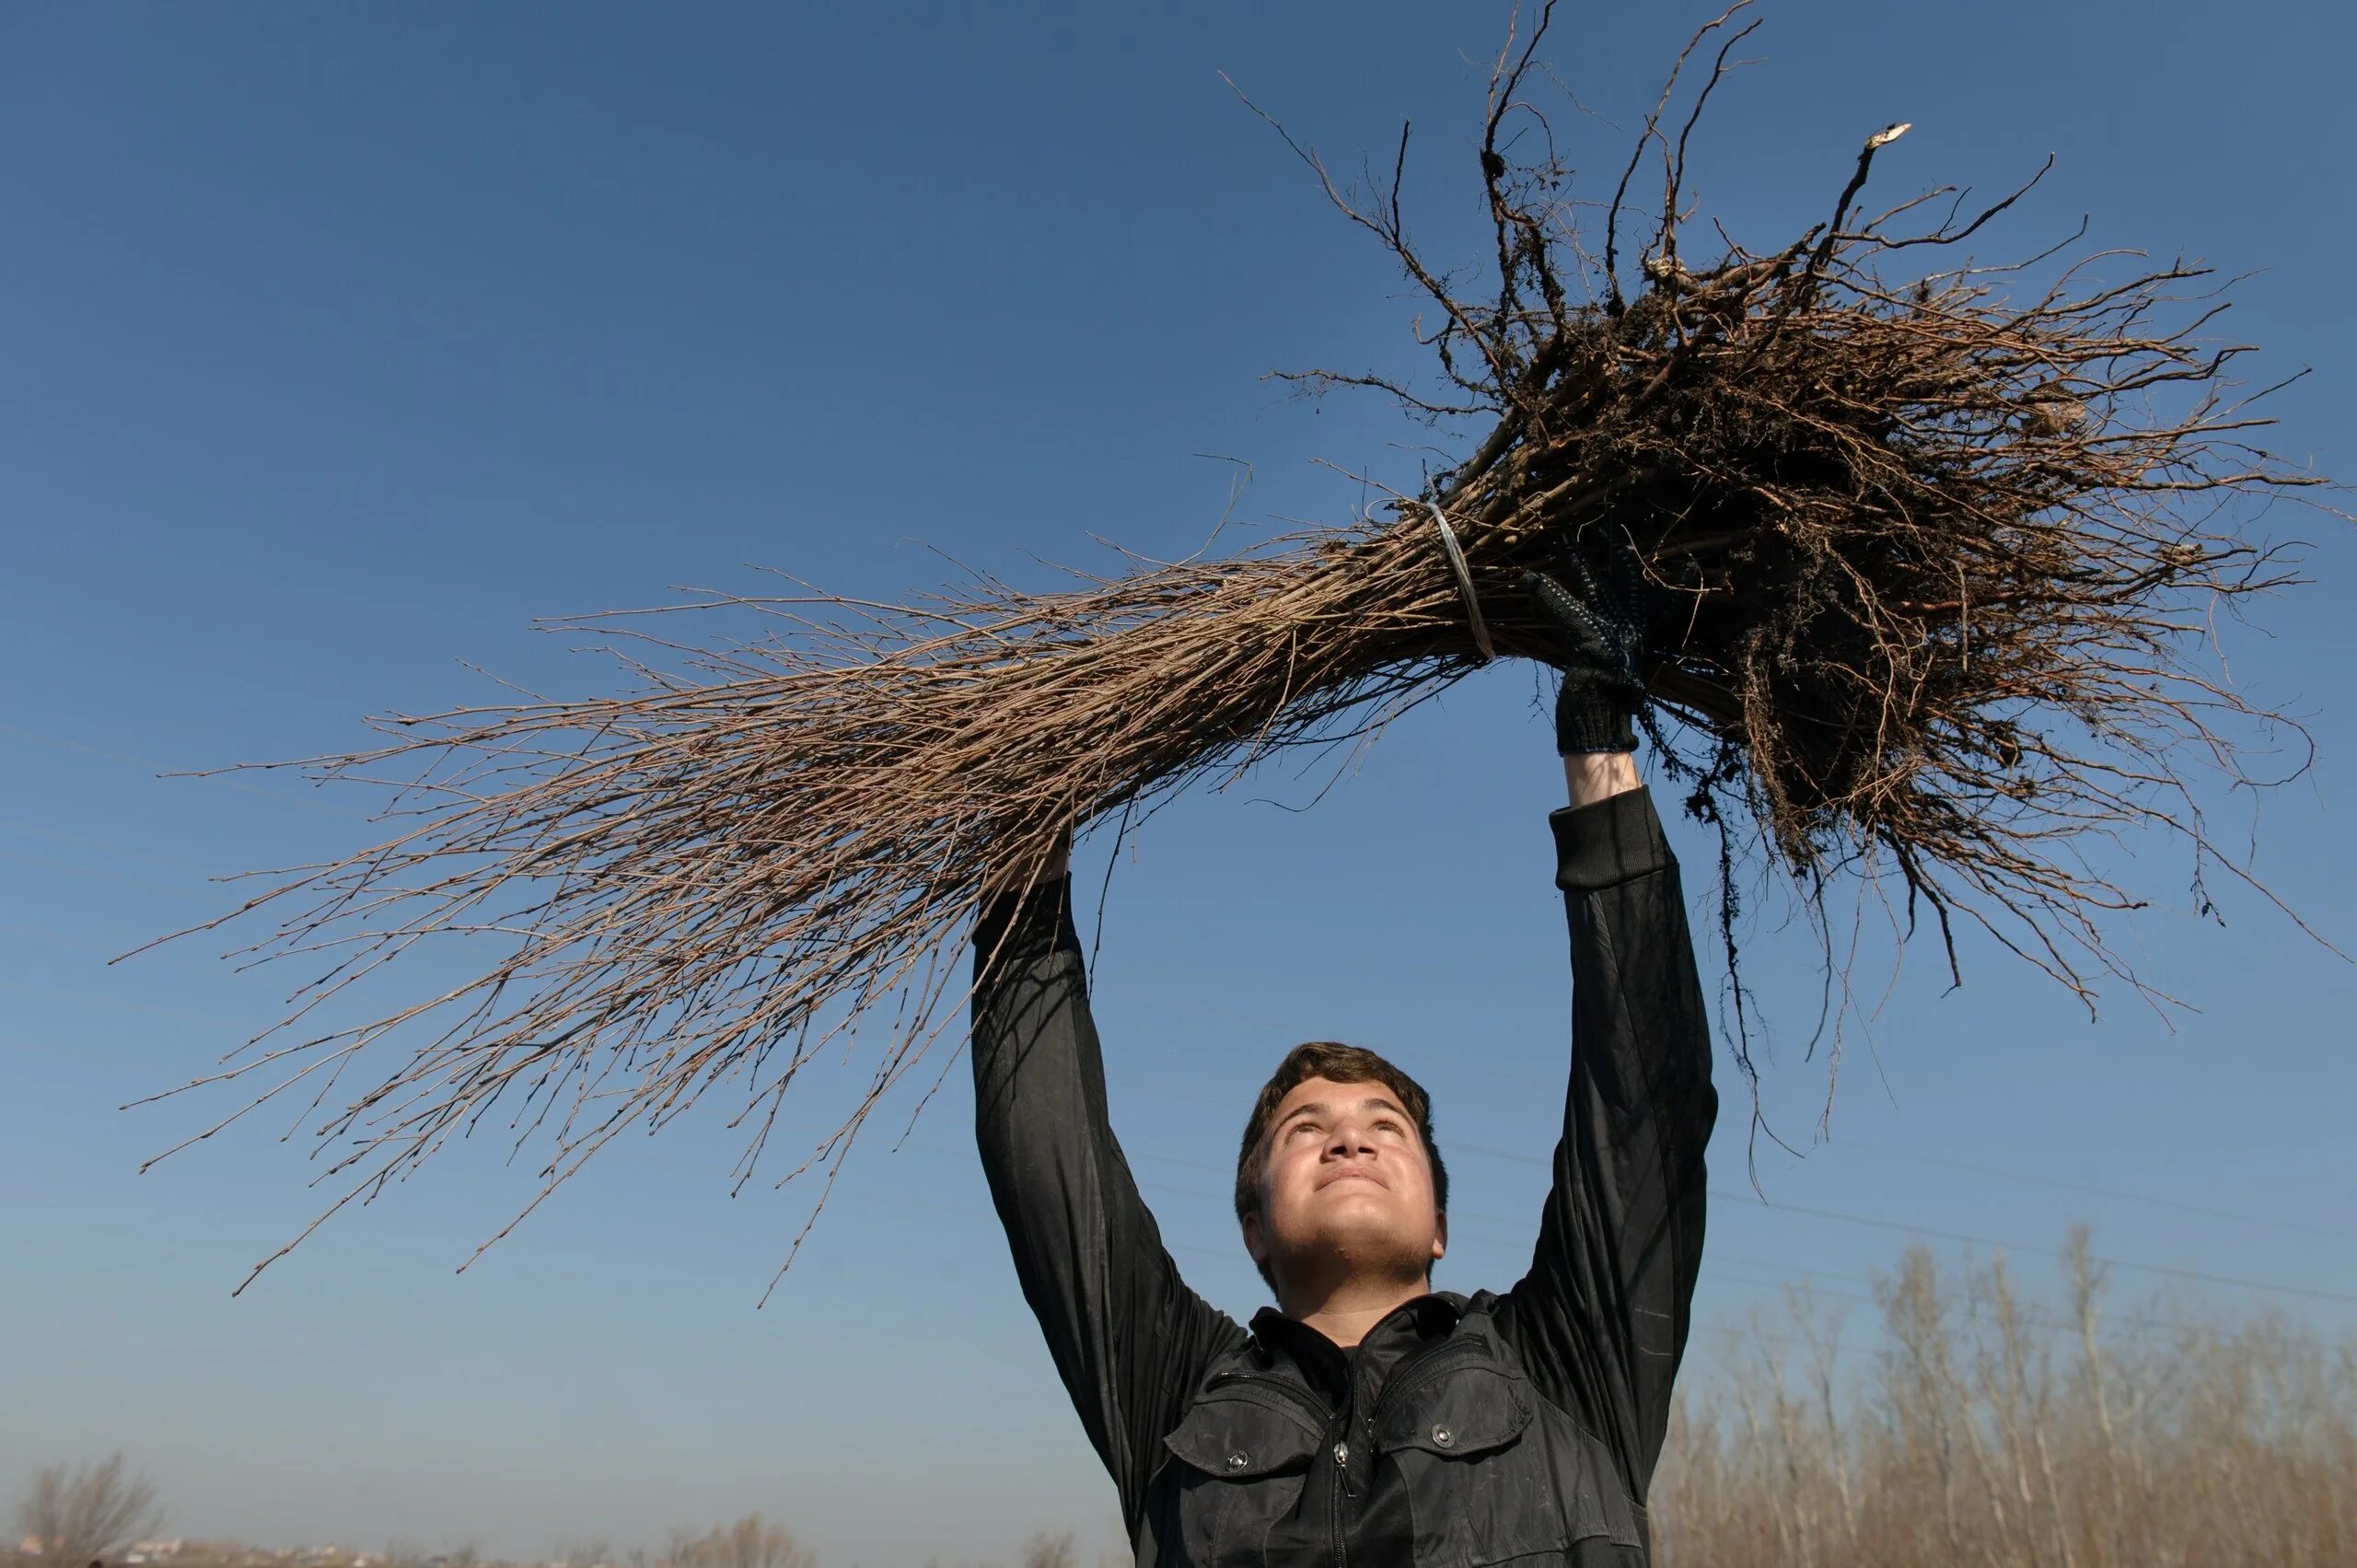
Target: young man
<point x="1368" y="1419"/>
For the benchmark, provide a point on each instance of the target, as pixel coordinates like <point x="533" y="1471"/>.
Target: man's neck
<point x="1350" y="1310"/>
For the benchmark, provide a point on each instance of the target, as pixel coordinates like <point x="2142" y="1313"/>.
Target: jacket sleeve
<point x="1129" y="1337"/>
<point x="1601" y="1318"/>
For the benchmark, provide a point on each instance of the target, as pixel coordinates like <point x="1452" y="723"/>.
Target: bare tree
<point x="89" y="1512"/>
<point x="1045" y="1550"/>
<point x="1990" y="1428"/>
<point x="750" y="1542"/>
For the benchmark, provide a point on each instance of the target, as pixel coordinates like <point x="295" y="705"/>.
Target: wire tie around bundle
<point x="1456" y="553"/>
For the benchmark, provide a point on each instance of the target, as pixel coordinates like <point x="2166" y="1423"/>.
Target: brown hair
<point x="1343" y="1064"/>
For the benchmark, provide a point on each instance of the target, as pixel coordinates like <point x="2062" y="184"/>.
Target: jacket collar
<point x="1327" y="1365"/>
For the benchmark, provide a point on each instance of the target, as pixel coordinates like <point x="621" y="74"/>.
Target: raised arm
<point x="1129" y="1337"/>
<point x="1601" y="1318"/>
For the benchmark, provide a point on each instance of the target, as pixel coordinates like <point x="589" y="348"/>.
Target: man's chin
<point x="1368" y="1239"/>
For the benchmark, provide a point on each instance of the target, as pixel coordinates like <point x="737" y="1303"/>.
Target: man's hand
<point x="1604" y="630"/>
<point x="1603" y="633"/>
<point x="1059" y="858"/>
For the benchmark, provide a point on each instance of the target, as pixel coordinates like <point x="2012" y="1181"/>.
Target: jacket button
<point x="1238" y="1459"/>
<point x="1443" y="1436"/>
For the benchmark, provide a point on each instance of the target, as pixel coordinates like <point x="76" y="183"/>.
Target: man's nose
<point x="1351" y="1138"/>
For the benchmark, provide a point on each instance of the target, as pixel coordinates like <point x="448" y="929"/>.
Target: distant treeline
<point x="1983" y="1428"/>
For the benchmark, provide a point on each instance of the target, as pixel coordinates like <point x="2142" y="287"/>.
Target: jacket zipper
<point x="1420" y="1367"/>
<point x="1340" y="1556"/>
<point x="1319" y="1415"/>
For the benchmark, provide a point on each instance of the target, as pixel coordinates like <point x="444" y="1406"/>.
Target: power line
<point x="2093" y="1191"/>
<point x="2203" y="1276"/>
<point x="82" y="840"/>
<point x="92" y="873"/>
<point x="1753" y="1200"/>
<point x="283" y="797"/>
<point x="1842" y="1286"/>
<point x="1881" y="1151"/>
<point x="2105" y="1325"/>
<point x="1813" y="1281"/>
<point x="1878" y="1151"/>
<point x="1852" y="1219"/>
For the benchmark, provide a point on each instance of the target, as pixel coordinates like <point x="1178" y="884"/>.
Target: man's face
<point x="1347" y="1189"/>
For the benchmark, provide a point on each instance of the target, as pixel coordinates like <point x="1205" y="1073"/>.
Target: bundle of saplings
<point x="1926" y="548"/>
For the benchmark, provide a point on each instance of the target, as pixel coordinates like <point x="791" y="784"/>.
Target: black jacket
<point x="1519" y="1427"/>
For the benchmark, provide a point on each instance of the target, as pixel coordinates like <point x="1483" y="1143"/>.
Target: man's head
<point x="1338" y="1174"/>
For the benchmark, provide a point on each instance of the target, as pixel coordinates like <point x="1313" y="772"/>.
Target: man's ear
<point x="1440" y="1236"/>
<point x="1256" y="1242"/>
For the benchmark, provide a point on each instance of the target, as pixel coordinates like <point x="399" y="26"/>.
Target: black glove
<point x="1603" y="633"/>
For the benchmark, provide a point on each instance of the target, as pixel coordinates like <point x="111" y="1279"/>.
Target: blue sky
<point x="342" y="341"/>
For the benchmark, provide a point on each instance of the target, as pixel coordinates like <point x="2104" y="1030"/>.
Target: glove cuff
<point x="1592" y="720"/>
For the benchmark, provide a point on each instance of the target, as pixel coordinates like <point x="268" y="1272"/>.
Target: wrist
<point x="1018" y="872"/>
<point x="1598" y="776"/>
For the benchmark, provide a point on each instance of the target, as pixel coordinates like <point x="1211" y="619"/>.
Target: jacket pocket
<point x="1463" y="1412"/>
<point x="1241" y="1431"/>
<point x="1487" y="1478"/>
<point x="1244" y="1451"/>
